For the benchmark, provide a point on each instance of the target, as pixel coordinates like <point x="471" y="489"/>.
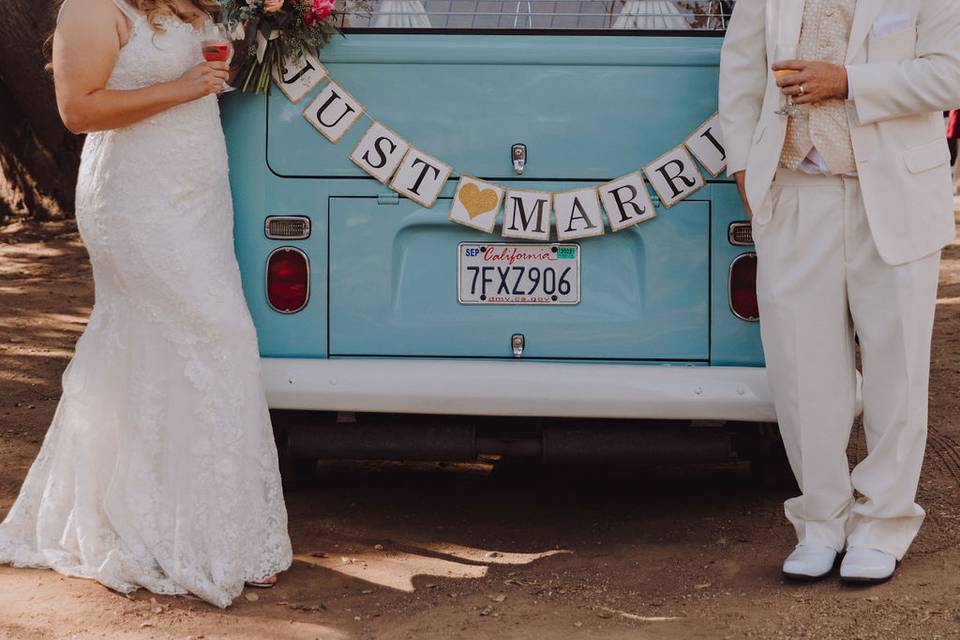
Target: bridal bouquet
<point x="271" y="30"/>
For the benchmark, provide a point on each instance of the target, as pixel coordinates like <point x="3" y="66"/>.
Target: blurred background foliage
<point x="38" y="156"/>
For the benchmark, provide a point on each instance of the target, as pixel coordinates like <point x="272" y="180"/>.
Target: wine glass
<point x="787" y="109"/>
<point x="217" y="47"/>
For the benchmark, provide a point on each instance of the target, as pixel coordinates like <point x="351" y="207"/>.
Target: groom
<point x="851" y="204"/>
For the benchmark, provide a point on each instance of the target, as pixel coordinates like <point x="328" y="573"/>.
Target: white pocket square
<point x="889" y="25"/>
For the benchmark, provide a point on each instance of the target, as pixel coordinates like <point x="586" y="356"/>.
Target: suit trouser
<point x="820" y="279"/>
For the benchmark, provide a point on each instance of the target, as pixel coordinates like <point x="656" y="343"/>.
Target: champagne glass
<point x="788" y="109"/>
<point x="217" y="47"/>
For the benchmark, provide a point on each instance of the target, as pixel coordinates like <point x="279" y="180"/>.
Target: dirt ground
<point x="455" y="551"/>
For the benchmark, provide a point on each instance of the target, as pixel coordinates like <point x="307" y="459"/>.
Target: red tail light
<point x="743" y="287"/>
<point x="288" y="280"/>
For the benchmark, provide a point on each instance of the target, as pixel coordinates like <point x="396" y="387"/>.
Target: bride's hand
<point x="204" y="79"/>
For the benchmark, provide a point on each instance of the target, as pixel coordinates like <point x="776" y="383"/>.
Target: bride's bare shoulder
<point x="89" y="12"/>
<point x="98" y="18"/>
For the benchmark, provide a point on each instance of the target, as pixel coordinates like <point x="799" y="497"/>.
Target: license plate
<point x="514" y="273"/>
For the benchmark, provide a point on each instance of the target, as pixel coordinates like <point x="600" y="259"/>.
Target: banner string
<point x="705" y="145"/>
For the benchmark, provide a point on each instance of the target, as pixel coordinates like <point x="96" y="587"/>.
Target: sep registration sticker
<point x="518" y="273"/>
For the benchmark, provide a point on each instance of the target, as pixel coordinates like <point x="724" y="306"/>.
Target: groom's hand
<point x="820" y="80"/>
<point x="741" y="178"/>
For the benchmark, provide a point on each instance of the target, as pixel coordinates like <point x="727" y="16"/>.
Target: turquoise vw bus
<point x="382" y="336"/>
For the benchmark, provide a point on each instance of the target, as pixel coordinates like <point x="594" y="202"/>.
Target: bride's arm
<point x="86" y="44"/>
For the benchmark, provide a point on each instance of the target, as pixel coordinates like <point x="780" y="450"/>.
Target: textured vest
<point x="824" y="36"/>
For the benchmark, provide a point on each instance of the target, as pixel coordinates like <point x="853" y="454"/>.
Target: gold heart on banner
<point x="477" y="201"/>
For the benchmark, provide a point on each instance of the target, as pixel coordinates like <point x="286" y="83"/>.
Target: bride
<point x="159" y="469"/>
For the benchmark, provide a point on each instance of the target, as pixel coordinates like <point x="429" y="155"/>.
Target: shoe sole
<point x="801" y="577"/>
<point x="865" y="581"/>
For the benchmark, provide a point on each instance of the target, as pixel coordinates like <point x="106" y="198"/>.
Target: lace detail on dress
<point x="159" y="469"/>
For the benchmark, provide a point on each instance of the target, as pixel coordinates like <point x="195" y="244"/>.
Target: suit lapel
<point x="784" y="19"/>
<point x="863" y="18"/>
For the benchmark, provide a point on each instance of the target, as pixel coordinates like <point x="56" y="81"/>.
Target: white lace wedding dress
<point x="159" y="469"/>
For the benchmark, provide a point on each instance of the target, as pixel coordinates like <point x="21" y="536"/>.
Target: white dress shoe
<point x="867" y="566"/>
<point x="810" y="562"/>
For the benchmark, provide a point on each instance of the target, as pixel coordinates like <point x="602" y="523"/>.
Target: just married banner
<point x="527" y="214"/>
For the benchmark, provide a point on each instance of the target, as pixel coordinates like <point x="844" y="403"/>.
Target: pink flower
<point x="320" y="10"/>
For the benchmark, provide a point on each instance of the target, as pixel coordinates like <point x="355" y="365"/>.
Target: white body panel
<point x="508" y="388"/>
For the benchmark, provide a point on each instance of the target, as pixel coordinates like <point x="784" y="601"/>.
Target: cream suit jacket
<point x="903" y="64"/>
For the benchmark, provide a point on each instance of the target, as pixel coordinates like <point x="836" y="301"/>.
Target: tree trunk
<point x="38" y="156"/>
